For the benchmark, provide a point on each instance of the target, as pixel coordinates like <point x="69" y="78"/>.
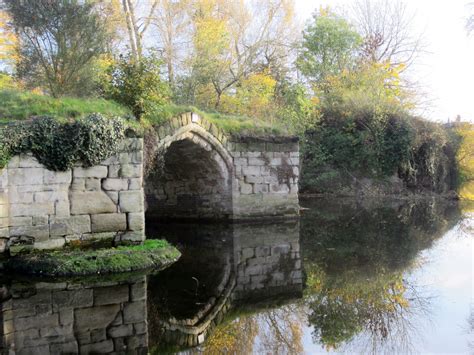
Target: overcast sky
<point x="446" y="73"/>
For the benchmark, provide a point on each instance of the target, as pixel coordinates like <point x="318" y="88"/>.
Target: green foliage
<point x="22" y="105"/>
<point x="137" y="85"/>
<point x="59" y="145"/>
<point x="68" y="262"/>
<point x="329" y="46"/>
<point x="58" y="42"/>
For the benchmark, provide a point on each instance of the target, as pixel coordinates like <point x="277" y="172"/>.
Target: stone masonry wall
<point x="267" y="175"/>
<point x="269" y="265"/>
<point x="45" y="209"/>
<point x="71" y="318"/>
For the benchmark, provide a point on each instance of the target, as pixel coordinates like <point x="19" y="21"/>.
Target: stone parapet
<point x="45" y="209"/>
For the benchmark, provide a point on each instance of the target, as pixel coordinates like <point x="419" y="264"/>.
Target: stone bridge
<point x="206" y="174"/>
<point x="191" y="170"/>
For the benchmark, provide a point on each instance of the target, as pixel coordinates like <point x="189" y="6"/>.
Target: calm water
<point x="373" y="277"/>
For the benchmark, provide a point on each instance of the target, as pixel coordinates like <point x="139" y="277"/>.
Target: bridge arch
<point x="194" y="173"/>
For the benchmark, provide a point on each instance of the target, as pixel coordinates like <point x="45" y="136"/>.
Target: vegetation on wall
<point x="59" y="145"/>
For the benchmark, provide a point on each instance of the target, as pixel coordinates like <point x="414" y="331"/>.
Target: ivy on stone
<point x="58" y="146"/>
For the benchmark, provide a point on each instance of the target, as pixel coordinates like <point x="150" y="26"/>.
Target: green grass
<point x="151" y="254"/>
<point x="21" y="105"/>
<point x="228" y="123"/>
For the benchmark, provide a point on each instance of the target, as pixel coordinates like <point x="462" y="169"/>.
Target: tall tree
<point x="8" y="42"/>
<point x="59" y="40"/>
<point x="387" y="29"/>
<point x="329" y="46"/>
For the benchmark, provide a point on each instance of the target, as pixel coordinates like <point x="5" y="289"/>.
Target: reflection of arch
<point x="195" y="177"/>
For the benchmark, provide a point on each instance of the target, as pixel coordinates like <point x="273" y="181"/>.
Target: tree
<point x="387" y="29"/>
<point x="330" y="45"/>
<point x="8" y="41"/>
<point x="59" y="40"/>
<point x="171" y="19"/>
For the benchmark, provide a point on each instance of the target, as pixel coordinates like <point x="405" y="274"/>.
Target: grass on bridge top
<point x="16" y="105"/>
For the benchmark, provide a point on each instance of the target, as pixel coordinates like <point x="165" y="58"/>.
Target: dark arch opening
<point x="192" y="182"/>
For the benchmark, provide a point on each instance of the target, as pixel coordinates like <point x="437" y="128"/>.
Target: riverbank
<point x="152" y="254"/>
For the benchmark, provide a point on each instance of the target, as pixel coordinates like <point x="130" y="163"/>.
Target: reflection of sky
<point x="446" y="274"/>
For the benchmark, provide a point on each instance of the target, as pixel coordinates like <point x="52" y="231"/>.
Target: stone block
<point x="136" y="221"/>
<point x="50" y="196"/>
<point x="131" y="201"/>
<point x="98" y="171"/>
<point x="135" y="184"/>
<point x="17" y="196"/>
<point x="3" y="243"/>
<point x="4" y="213"/>
<point x="69" y="347"/>
<point x="78" y="184"/>
<point x="256" y="161"/>
<point x="112" y="184"/>
<point x="35" y="209"/>
<point x="114" y="171"/>
<point x="131" y="170"/>
<point x="62" y="209"/>
<point x="25" y="176"/>
<point x="37" y="232"/>
<point x="57" y="177"/>
<point x="114" y="196"/>
<point x="251" y="179"/>
<point x="111" y="295"/>
<point x="72" y="299"/>
<point x="123" y="330"/>
<point x="245" y="189"/>
<point x="93" y="184"/>
<point x="79" y="224"/>
<point x="260" y="188"/>
<point x="18" y="221"/>
<point x="136" y="236"/>
<point x="40" y="220"/>
<point x="106" y="346"/>
<point x="251" y="170"/>
<point x="138" y="291"/>
<point x="134" y="312"/>
<point x="240" y="161"/>
<point x="55" y="243"/>
<point x="91" y="202"/>
<point x="108" y="222"/>
<point x="4" y="222"/>
<point x="37" y="321"/>
<point x="28" y="161"/>
<point x="99" y="317"/>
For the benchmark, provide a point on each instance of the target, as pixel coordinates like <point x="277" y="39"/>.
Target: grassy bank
<point x="21" y="105"/>
<point x="153" y="254"/>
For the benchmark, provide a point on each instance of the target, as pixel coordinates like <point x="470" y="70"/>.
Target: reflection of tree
<point x="355" y="258"/>
<point x="270" y="330"/>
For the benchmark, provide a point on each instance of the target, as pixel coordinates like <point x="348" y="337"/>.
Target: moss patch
<point x="151" y="254"/>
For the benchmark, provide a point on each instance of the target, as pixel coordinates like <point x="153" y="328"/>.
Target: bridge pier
<point x="201" y="173"/>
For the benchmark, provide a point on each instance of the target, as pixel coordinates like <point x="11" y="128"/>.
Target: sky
<point x="445" y="72"/>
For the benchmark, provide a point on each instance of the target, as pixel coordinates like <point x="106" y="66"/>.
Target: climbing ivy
<point x="58" y="146"/>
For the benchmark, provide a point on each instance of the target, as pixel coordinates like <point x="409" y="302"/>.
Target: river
<point x="371" y="276"/>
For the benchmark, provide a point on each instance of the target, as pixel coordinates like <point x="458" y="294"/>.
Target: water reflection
<point x="74" y="317"/>
<point x="339" y="279"/>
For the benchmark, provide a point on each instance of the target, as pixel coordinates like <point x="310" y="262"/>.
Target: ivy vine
<point x="58" y="146"/>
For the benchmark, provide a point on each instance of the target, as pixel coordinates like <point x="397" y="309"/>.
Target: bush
<point x="136" y="85"/>
<point x="58" y="146"/>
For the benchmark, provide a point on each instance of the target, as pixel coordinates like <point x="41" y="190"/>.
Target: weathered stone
<point x="26" y="209"/>
<point x="138" y="291"/>
<point x="135" y="184"/>
<point x="111" y="295"/>
<point x="4" y="211"/>
<point x="114" y="171"/>
<point x="131" y="170"/>
<point x="91" y="202"/>
<point x="3" y="243"/>
<point x="49" y="244"/>
<point x="115" y="184"/>
<point x="136" y="221"/>
<point x="131" y="201"/>
<point x="39" y="220"/>
<point x="98" y="317"/>
<point x="37" y="232"/>
<point x="72" y="298"/>
<point x="137" y="236"/>
<point x="70" y="225"/>
<point x="123" y="330"/>
<point x="25" y="176"/>
<point x="108" y="222"/>
<point x="57" y="177"/>
<point x="106" y="346"/>
<point x="17" y="221"/>
<point x="93" y="184"/>
<point x="97" y="171"/>
<point x="134" y="312"/>
<point x="50" y="196"/>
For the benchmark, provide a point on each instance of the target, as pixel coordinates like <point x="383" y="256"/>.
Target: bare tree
<point x="387" y="28"/>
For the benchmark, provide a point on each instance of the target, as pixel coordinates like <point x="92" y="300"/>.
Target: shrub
<point x="58" y="146"/>
<point x="137" y="85"/>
